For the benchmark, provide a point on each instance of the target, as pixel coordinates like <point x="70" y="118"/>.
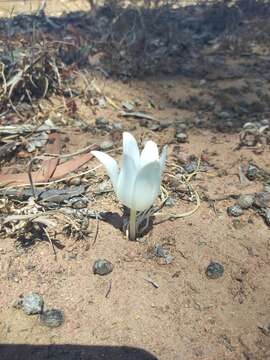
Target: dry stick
<point x="4" y="78"/>
<point x="50" y="240"/>
<point x="29" y="172"/>
<point x="97" y="228"/>
<point x="109" y="289"/>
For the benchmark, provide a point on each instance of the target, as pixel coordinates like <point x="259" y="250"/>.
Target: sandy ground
<point x="186" y="316"/>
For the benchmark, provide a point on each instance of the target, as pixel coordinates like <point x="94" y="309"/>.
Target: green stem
<point x="132" y="224"/>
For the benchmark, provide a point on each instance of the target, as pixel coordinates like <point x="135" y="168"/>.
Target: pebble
<point x="181" y="137"/>
<point x="245" y="201"/>
<point x="266" y="188"/>
<point x="104" y="187"/>
<point x="106" y="145"/>
<point x="118" y="126"/>
<point x="102" y="267"/>
<point x="159" y="251"/>
<point x="252" y="172"/>
<point x="191" y="167"/>
<point x="32" y="303"/>
<point x="214" y="270"/>
<point x="262" y="200"/>
<point x="235" y="210"/>
<point x="80" y="204"/>
<point x="267" y="216"/>
<point x="52" y="318"/>
<point x="75" y="181"/>
<point x="265" y="329"/>
<point x="101" y="122"/>
<point x="170" y="202"/>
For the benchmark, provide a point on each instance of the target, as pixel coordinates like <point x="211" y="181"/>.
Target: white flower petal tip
<point x="137" y="185"/>
<point x="110" y="165"/>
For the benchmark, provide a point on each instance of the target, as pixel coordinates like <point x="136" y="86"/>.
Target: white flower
<point x="137" y="183"/>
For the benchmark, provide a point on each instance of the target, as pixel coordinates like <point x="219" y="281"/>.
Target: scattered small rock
<point x="102" y="267"/>
<point x="251" y="172"/>
<point x="181" y="137"/>
<point x="106" y="145"/>
<point x="214" y="270"/>
<point x="79" y="203"/>
<point x="32" y="303"/>
<point x="159" y="251"/>
<point x="104" y="187"/>
<point x="235" y="210"/>
<point x="191" y="167"/>
<point x="267" y="216"/>
<point x="75" y="181"/>
<point x="265" y="329"/>
<point x="101" y="122"/>
<point x="52" y="318"/>
<point x="262" y="200"/>
<point x="118" y="126"/>
<point x="245" y="201"/>
<point x="170" y="202"/>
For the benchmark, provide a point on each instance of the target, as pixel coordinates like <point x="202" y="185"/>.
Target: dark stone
<point x="102" y="267"/>
<point x="235" y="210"/>
<point x="252" y="172"/>
<point x="52" y="318"/>
<point x="214" y="270"/>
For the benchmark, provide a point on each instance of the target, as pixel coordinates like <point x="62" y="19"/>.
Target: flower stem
<point x="132" y="225"/>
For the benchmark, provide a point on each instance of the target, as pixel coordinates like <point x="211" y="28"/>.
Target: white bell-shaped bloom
<point x="137" y="183"/>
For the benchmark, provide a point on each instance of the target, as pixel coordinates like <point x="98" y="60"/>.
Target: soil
<point x="182" y="313"/>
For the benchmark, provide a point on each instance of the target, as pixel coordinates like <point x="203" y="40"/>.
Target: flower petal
<point x="146" y="186"/>
<point x="110" y="165"/>
<point x="130" y="147"/>
<point x="126" y="179"/>
<point x="149" y="153"/>
<point x="162" y="159"/>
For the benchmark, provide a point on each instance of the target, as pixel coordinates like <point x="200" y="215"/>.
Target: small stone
<point x="235" y="210"/>
<point x="266" y="188"/>
<point x="170" y="202"/>
<point x="104" y="187"/>
<point x="181" y="127"/>
<point x="118" y="126"/>
<point x="101" y="122"/>
<point x="52" y="318"/>
<point x="267" y="216"/>
<point x="164" y="124"/>
<point x="102" y="267"/>
<point x="181" y="137"/>
<point x="214" y="270"/>
<point x="245" y="201"/>
<point x="79" y="203"/>
<point x="223" y="115"/>
<point x="106" y="145"/>
<point x="32" y="303"/>
<point x="159" y="251"/>
<point x="262" y="200"/>
<point x="75" y="181"/>
<point x="265" y="329"/>
<point x="191" y="167"/>
<point x="252" y="172"/>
